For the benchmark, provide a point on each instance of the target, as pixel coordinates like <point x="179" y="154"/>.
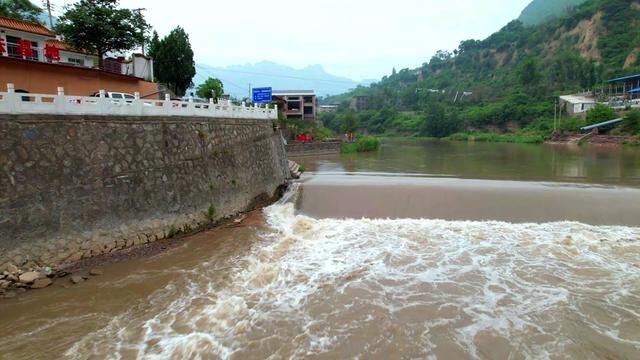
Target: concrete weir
<point x="419" y="197"/>
<point x="73" y="187"/>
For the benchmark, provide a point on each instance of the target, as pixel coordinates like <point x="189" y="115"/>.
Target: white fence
<point x="61" y="104"/>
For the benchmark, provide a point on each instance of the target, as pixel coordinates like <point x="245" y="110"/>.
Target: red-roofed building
<point x="34" y="59"/>
<point x="23" y="40"/>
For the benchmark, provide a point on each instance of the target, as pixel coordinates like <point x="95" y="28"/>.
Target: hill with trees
<point x="508" y="81"/>
<point x="540" y="11"/>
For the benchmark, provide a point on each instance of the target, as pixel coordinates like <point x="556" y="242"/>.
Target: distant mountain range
<point x="237" y="78"/>
<point x="539" y="11"/>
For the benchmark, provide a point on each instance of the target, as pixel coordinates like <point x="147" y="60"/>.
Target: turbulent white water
<point x="328" y="288"/>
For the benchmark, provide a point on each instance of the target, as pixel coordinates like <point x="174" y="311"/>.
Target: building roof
<point x="66" y="47"/>
<point x="293" y="92"/>
<point x="25" y="26"/>
<point x="625" y="78"/>
<point x="578" y="99"/>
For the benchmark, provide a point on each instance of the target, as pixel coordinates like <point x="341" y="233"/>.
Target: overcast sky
<point x="358" y="39"/>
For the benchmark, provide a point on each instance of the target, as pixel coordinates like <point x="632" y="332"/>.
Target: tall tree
<point x="173" y="62"/>
<point x="154" y="44"/>
<point x="20" y="9"/>
<point x="350" y="123"/>
<point x="210" y="88"/>
<point x="100" y="26"/>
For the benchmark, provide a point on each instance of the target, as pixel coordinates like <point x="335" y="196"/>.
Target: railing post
<point x="103" y="103"/>
<point x="167" y="104"/>
<point x="11" y="100"/>
<point x="59" y="102"/>
<point x="137" y="104"/>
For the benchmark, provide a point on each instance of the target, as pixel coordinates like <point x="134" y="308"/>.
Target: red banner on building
<point x="25" y="48"/>
<point x="52" y="53"/>
<point x="2" y="47"/>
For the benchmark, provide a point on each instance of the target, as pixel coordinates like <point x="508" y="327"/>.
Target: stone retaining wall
<point x="77" y="187"/>
<point x="295" y="148"/>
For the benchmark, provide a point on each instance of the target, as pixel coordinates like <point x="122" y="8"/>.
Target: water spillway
<point x="396" y="196"/>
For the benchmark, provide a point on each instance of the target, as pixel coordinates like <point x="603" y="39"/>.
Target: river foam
<point x="403" y="288"/>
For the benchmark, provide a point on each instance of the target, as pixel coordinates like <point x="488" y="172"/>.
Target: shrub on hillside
<point x="600" y="113"/>
<point x="362" y="144"/>
<point x="631" y="122"/>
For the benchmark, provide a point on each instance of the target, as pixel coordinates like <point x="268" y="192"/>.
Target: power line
<point x="243" y="88"/>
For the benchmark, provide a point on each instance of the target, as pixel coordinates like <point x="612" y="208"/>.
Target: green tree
<point x="437" y="123"/>
<point x="350" y="123"/>
<point x="632" y="121"/>
<point x="210" y="87"/>
<point x="100" y="26"/>
<point x="20" y="9"/>
<point x="600" y="113"/>
<point x="529" y="72"/>
<point x="173" y="61"/>
<point x="154" y="45"/>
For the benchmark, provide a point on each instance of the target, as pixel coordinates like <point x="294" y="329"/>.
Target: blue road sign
<point x="262" y="95"/>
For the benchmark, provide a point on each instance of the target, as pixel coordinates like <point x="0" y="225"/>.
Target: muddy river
<point x="422" y="250"/>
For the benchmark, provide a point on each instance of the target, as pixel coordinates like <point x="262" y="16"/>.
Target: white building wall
<point x="143" y="67"/>
<point x="85" y="60"/>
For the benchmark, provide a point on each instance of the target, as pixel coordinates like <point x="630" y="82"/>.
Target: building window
<point x="13" y="48"/>
<point x="36" y="54"/>
<point x="308" y="99"/>
<point x="13" y="45"/>
<point x="308" y="110"/>
<point x="76" y="61"/>
<point x="293" y="106"/>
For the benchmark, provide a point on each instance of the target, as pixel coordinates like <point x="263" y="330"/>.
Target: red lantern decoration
<point x="52" y="53"/>
<point x="25" y="48"/>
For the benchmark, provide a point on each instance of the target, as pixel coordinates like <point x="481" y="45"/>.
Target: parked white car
<point x="117" y="96"/>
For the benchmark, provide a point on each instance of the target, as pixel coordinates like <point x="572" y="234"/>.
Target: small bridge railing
<point x="61" y="104"/>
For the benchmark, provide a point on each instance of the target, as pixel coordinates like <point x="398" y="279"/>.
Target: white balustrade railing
<point x="61" y="104"/>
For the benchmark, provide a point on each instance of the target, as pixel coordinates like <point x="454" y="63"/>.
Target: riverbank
<point x="532" y="138"/>
<point x="83" y="187"/>
<point x="15" y="281"/>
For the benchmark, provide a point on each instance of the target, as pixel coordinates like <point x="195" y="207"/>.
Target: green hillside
<point x="508" y="81"/>
<point x="541" y="10"/>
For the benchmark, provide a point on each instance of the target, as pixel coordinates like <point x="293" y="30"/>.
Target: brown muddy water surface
<point x="369" y="258"/>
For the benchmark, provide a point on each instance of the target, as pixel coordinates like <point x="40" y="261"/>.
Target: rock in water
<point x="29" y="277"/>
<point x="41" y="283"/>
<point x="76" y="279"/>
<point x="96" y="272"/>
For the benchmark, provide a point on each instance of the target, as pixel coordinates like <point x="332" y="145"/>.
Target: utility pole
<point x="250" y="94"/>
<point x="555" y="115"/>
<point x="48" y="5"/>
